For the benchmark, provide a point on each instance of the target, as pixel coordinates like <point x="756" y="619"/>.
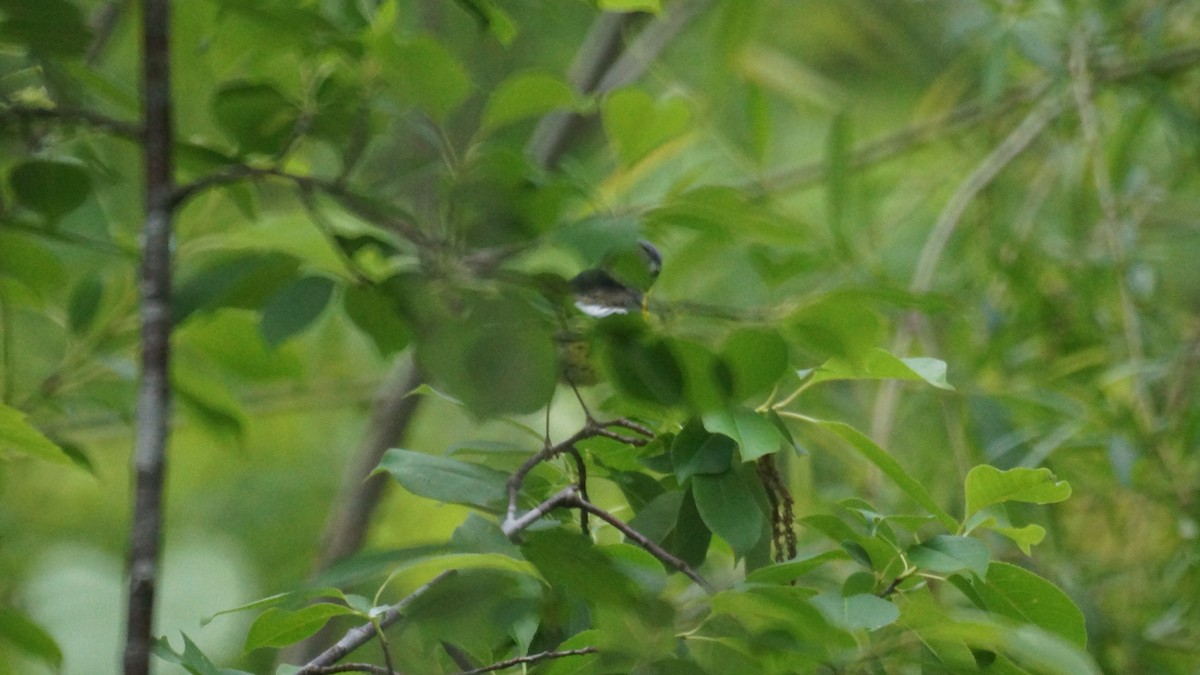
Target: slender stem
<point x="947" y="222"/>
<point x="154" y="394"/>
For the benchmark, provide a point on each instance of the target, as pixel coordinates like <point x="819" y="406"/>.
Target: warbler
<point x="618" y="285"/>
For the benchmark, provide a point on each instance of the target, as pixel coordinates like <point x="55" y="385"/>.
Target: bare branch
<point x="532" y="658"/>
<point x="360" y="635"/>
<point x="653" y="548"/>
<point x="154" y="392"/>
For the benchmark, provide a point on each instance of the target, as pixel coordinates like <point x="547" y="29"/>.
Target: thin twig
<point x="351" y="668"/>
<point x="128" y="130"/>
<point x="1016" y="142"/>
<point x="641" y="540"/>
<point x="532" y="658"/>
<point x="360" y="635"/>
<point x="1110" y="224"/>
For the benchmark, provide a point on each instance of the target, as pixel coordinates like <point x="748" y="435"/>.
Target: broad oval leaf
<point x="756" y="359"/>
<point x="696" y="450"/>
<point x="756" y="434"/>
<point x="862" y="611"/>
<point x="636" y="124"/>
<point x="879" y="364"/>
<point x="1021" y="595"/>
<point x="256" y="115"/>
<point x="445" y="479"/>
<point x="53" y="188"/>
<point x="729" y="509"/>
<point x="278" y="627"/>
<point x="946" y="554"/>
<point x="295" y="307"/>
<point x="525" y="95"/>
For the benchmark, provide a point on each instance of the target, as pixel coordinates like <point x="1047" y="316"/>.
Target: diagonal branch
<point x="360" y="635"/>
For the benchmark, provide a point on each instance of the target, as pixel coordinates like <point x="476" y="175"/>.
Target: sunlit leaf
<point x="191" y="659"/>
<point x="878" y="364"/>
<point x="987" y="485"/>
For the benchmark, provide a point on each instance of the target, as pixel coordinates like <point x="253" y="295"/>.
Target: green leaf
<point x="756" y="359"/>
<point x="500" y="360"/>
<point x="192" y="659"/>
<point x="729" y="508"/>
<point x="53" y="188"/>
<point x="786" y="572"/>
<point x="653" y="6"/>
<point x="446" y="480"/>
<point x="879" y="364"/>
<point x="946" y="554"/>
<point x="19" y="436"/>
<point x="862" y="611"/>
<point x="636" y="124"/>
<point x="295" y="307"/>
<point x="46" y="27"/>
<point x="425" y="74"/>
<point x="695" y="450"/>
<point x="1021" y="595"/>
<point x="377" y="315"/>
<point x="208" y="399"/>
<point x="492" y="18"/>
<point x="1024" y="537"/>
<point x="281" y="627"/>
<point x="890" y="468"/>
<point x="84" y="304"/>
<point x="30" y="263"/>
<point x="987" y="485"/>
<point x="526" y="95"/>
<point x="30" y="638"/>
<point x="644" y="368"/>
<point x="755" y="433"/>
<point x="246" y="281"/>
<point x="256" y="115"/>
<point x="842" y="325"/>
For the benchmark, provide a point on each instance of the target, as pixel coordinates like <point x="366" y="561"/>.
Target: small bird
<point x="620" y="283"/>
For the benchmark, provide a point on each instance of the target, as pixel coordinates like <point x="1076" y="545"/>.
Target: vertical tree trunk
<point x="154" y="394"/>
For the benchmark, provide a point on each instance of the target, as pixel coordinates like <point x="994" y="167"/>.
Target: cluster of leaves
<point x="355" y="176"/>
